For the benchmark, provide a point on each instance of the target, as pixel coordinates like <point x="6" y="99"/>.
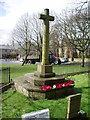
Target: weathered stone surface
<point x="44" y="81"/>
<point x="23" y="82"/>
<point x="44" y="75"/>
<point x="26" y="85"/>
<point x="45" y="46"/>
<point x="44" y="70"/>
<point x="73" y="106"/>
<point x="42" y="114"/>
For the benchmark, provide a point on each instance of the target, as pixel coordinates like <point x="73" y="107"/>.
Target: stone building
<point x="8" y="51"/>
<point x="68" y="52"/>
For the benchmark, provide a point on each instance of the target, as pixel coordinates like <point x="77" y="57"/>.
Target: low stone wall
<point x="75" y="73"/>
<point x="79" y="59"/>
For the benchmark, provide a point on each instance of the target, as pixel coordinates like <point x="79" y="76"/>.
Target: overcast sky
<point x="11" y="10"/>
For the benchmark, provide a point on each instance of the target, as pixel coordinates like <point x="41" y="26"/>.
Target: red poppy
<point x="58" y="85"/>
<point x="45" y="87"/>
<point x="66" y="84"/>
<point x="70" y="81"/>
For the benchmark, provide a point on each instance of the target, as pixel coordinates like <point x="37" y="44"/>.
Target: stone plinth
<point x="30" y="86"/>
<point x="44" y="71"/>
<point x="37" y="81"/>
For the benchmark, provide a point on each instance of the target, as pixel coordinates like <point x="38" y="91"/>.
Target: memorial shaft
<point x="44" y="69"/>
<point x="45" y="45"/>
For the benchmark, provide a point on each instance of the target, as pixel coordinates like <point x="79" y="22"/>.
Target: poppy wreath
<point x="68" y="83"/>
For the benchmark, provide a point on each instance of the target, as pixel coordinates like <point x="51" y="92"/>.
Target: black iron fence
<point x="5" y="75"/>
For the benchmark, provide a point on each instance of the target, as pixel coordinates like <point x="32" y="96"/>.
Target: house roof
<point x="7" y="47"/>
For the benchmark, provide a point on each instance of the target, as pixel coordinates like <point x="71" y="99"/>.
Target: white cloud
<point x="15" y="8"/>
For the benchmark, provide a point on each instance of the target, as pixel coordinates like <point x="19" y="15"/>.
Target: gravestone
<point x="39" y="115"/>
<point x="73" y="106"/>
<point x="30" y="84"/>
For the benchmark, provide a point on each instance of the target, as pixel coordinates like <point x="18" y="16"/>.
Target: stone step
<point x="30" y="90"/>
<point x="44" y="81"/>
<point x="23" y="81"/>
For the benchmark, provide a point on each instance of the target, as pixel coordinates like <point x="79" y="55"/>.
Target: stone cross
<point x="45" y="45"/>
<point x="44" y="69"/>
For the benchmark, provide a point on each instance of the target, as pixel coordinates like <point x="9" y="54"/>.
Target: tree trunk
<point x="40" y="56"/>
<point x="72" y="59"/>
<point x="25" y="60"/>
<point x="83" y="57"/>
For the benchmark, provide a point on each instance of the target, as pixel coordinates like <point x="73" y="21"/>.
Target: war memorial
<point x="44" y="83"/>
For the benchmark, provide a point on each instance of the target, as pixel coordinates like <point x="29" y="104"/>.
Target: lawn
<point x="19" y="70"/>
<point x="15" y="104"/>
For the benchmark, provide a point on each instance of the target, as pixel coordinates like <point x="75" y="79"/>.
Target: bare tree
<point x="55" y="40"/>
<point x="28" y="34"/>
<point x="21" y="34"/>
<point x="76" y="30"/>
<point x="36" y="36"/>
<point x="55" y="35"/>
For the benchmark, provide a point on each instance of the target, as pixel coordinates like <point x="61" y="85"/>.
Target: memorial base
<point x="44" y="71"/>
<point x="30" y="86"/>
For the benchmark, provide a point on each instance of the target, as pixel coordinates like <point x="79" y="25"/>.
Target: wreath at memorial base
<point x="68" y="83"/>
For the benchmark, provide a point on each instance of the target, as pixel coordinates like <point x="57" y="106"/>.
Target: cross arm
<point x="51" y="18"/>
<point x="41" y="16"/>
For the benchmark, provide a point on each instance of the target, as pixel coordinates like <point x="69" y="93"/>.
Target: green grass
<point x="15" y="104"/>
<point x="62" y="69"/>
<point x="19" y="70"/>
<point x="81" y="84"/>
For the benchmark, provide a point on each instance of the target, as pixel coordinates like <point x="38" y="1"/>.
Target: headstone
<point x="39" y="115"/>
<point x="73" y="106"/>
